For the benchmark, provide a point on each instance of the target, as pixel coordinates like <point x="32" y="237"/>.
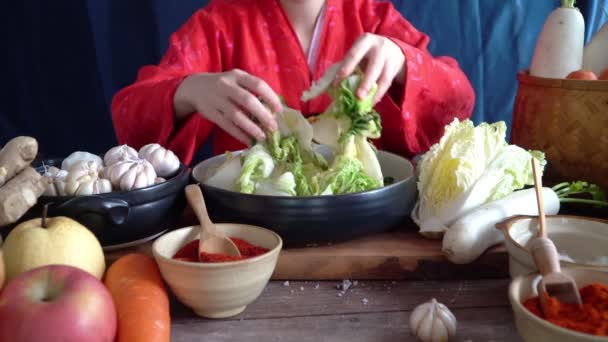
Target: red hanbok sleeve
<point x="143" y="112"/>
<point x="435" y="89"/>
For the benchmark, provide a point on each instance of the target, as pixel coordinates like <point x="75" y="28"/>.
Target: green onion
<point x="565" y="190"/>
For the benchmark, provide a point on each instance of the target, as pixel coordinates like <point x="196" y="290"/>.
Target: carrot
<point x="582" y="75"/>
<point x="141" y="299"/>
<point x="604" y="75"/>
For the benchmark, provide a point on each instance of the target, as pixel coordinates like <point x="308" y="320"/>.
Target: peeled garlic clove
<point x="80" y="156"/>
<point x="433" y="322"/>
<point x="102" y="186"/>
<point x="164" y="161"/>
<point x="85" y="188"/>
<point x="119" y="153"/>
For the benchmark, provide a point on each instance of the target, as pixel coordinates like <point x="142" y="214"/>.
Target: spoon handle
<point x="195" y="199"/>
<point x="538" y="187"/>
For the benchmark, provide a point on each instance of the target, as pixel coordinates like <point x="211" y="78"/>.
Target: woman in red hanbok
<point x="233" y="55"/>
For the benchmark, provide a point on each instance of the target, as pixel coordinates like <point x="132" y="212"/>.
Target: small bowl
<point x="535" y="329"/>
<point x="217" y="290"/>
<point x="580" y="238"/>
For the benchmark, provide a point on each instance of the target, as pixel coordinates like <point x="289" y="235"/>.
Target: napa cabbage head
<point x="470" y="166"/>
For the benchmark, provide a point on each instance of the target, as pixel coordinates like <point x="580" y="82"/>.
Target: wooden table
<point x="369" y="311"/>
<point x="373" y="309"/>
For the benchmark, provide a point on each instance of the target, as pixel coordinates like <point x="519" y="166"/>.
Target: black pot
<point x="317" y="219"/>
<point x="119" y="217"/>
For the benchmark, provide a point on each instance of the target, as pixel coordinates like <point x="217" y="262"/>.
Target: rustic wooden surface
<point x="369" y="311"/>
<point x="401" y="254"/>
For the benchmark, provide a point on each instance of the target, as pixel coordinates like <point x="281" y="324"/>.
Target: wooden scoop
<point x="554" y="283"/>
<point x="212" y="240"/>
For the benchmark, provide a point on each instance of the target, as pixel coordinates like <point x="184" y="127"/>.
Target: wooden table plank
<point x="303" y="299"/>
<point x="400" y="254"/>
<point x="304" y="311"/>
<point x="475" y="324"/>
<point x="396" y="255"/>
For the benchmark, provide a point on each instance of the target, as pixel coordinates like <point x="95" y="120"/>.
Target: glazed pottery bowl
<point x="535" y="329"/>
<point x="581" y="242"/>
<point x="304" y="220"/>
<point x="217" y="290"/>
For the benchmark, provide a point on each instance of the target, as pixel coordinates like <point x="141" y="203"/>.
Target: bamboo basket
<point x="568" y="120"/>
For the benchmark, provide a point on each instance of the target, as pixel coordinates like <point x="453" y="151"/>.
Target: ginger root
<point x="21" y="193"/>
<point x="15" y="156"/>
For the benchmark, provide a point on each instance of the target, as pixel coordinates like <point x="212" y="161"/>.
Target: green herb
<point x="565" y="190"/>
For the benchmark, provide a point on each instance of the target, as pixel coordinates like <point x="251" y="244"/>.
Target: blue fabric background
<point x="64" y="60"/>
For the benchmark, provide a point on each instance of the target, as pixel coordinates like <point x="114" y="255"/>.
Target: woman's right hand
<point x="230" y="100"/>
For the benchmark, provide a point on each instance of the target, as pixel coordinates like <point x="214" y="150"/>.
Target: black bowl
<point x="122" y="216"/>
<point x="317" y="219"/>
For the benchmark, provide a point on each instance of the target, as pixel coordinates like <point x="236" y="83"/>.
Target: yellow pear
<point x="59" y="240"/>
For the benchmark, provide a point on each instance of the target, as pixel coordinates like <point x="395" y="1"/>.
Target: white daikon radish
<point x="559" y="49"/>
<point x="595" y="55"/>
<point x="469" y="236"/>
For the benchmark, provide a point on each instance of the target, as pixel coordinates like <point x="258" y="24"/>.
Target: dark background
<point x="62" y="61"/>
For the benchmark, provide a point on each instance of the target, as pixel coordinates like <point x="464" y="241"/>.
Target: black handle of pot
<point x="114" y="210"/>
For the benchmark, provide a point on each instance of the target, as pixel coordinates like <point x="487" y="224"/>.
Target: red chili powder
<point x="591" y="318"/>
<point x="189" y="252"/>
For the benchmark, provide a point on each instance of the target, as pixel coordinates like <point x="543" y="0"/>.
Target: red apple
<point x="56" y="303"/>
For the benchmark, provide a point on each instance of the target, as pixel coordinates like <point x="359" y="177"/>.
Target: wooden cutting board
<point x="396" y="255"/>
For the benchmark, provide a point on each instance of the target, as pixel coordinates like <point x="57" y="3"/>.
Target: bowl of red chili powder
<point x="216" y="285"/>
<point x="564" y="322"/>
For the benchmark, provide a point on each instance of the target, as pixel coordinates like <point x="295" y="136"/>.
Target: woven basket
<point x="568" y="120"/>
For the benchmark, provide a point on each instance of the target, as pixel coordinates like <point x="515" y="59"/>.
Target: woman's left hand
<point x="384" y="62"/>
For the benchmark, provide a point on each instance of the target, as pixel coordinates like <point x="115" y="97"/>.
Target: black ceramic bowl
<point x="119" y="217"/>
<point x="317" y="219"/>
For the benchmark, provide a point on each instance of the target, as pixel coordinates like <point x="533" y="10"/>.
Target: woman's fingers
<point x="263" y="90"/>
<point x="375" y="65"/>
<point x="251" y="105"/>
<point x="353" y="57"/>
<point x="236" y="116"/>
<point x="384" y="82"/>
<point x="227" y="125"/>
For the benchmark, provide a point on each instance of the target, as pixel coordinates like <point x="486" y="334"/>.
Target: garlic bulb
<point x="83" y="179"/>
<point x="433" y="322"/>
<point x="57" y="181"/>
<point x="75" y="157"/>
<point x="131" y="174"/>
<point x="159" y="180"/>
<point x="119" y="153"/>
<point x="164" y="161"/>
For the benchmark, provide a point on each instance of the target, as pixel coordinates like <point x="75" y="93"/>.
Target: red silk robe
<point x="256" y="36"/>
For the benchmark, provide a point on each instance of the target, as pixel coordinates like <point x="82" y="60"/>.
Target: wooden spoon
<point x="212" y="240"/>
<point x="554" y="283"/>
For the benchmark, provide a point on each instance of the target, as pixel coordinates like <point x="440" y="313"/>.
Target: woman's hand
<point x="230" y="100"/>
<point x="384" y="62"/>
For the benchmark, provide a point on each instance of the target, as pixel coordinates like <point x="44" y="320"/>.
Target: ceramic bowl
<point x="217" y="290"/>
<point x="583" y="239"/>
<point x="305" y="220"/>
<point x="535" y="329"/>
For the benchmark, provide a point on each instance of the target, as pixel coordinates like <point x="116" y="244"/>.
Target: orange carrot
<point x="582" y="75"/>
<point x="604" y="75"/>
<point x="141" y="299"/>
